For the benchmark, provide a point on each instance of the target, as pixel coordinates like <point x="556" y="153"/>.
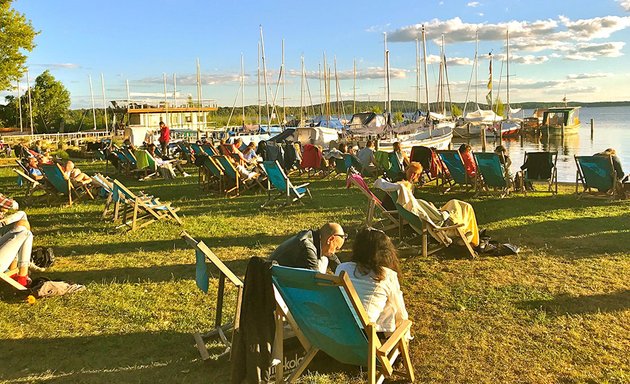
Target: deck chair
<point x="395" y="171"/>
<point x="425" y="227"/>
<point x="213" y="174"/>
<point x="327" y="314"/>
<point x="32" y="185"/>
<point x="203" y="254"/>
<point x="540" y="166"/>
<point x="276" y="178"/>
<point x="107" y="190"/>
<point x="382" y="161"/>
<point x="388" y="221"/>
<point x="431" y="165"/>
<point x="209" y="150"/>
<point x="63" y="185"/>
<point x="146" y="163"/>
<point x="6" y="276"/>
<point x="456" y="174"/>
<point x="491" y="174"/>
<point x="143" y="209"/>
<point x="124" y="165"/>
<point x="196" y="149"/>
<point x="231" y="173"/>
<point x="597" y="176"/>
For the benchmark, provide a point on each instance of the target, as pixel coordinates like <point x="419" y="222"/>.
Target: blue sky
<point x="575" y="48"/>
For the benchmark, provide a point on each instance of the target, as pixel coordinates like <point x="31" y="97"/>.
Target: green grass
<point x="557" y="312"/>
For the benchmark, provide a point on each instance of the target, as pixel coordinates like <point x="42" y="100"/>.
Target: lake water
<point x="612" y="130"/>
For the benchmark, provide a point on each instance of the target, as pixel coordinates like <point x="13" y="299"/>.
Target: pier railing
<point x="57" y="137"/>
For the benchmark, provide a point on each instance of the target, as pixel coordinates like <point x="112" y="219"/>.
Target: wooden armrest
<point x="400" y="332"/>
<point x="450" y="227"/>
<point x="302" y="185"/>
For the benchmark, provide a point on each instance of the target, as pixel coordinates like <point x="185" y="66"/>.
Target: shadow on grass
<point x="158" y="357"/>
<point x="581" y="305"/>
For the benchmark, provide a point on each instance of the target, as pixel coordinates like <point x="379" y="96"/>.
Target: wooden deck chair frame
<point x="587" y="190"/>
<point x="76" y="189"/>
<point x="447" y="182"/>
<point x="482" y="184"/>
<point x="424" y="229"/>
<point x="552" y="182"/>
<point x="144" y="208"/>
<point x="290" y="192"/>
<point x="32" y="185"/>
<point x="388" y="221"/>
<point x="220" y="328"/>
<point x="381" y="355"/>
<point x="214" y="171"/>
<point x="229" y="174"/>
<point x="102" y="182"/>
<point x="6" y="276"/>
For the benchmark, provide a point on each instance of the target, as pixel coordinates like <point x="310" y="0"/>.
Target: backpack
<point x="43" y="257"/>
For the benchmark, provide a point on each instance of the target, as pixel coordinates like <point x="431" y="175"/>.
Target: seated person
<point x="311" y="249"/>
<point x="366" y="157"/>
<point x="504" y="157"/>
<point x="75" y="174"/>
<point x="166" y="163"/>
<point x="33" y="169"/>
<point x="403" y="159"/>
<point x="37" y="147"/>
<point x="465" y="151"/>
<point x="374" y="272"/>
<point x="16" y="241"/>
<point x="452" y="213"/>
<point x="615" y="160"/>
<point x="249" y="154"/>
<point x="243" y="172"/>
<point x="127" y="143"/>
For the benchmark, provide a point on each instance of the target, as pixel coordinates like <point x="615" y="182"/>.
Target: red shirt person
<point x="165" y="137"/>
<point x="469" y="162"/>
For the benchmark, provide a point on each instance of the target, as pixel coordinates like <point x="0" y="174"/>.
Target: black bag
<point x="43" y="257"/>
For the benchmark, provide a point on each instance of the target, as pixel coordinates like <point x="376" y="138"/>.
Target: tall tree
<point x="16" y="36"/>
<point x="50" y="100"/>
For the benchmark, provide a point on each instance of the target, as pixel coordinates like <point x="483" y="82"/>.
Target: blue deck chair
<point x="491" y="173"/>
<point x="203" y="256"/>
<point x="597" y="176"/>
<point x="395" y="171"/>
<point x="197" y="149"/>
<point x="382" y="161"/>
<point x="63" y="185"/>
<point x="456" y="172"/>
<point x="187" y="154"/>
<point x="25" y="180"/>
<point x="211" y="174"/>
<point x="276" y="178"/>
<point x="425" y="226"/>
<point x="107" y="190"/>
<point x="124" y="165"/>
<point x="140" y="207"/>
<point x="540" y="166"/>
<point x="231" y="177"/>
<point x="209" y="150"/>
<point x="327" y="314"/>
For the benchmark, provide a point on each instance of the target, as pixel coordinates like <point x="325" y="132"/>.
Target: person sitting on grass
<point x="75" y="174"/>
<point x="16" y="241"/>
<point x="374" y="271"/>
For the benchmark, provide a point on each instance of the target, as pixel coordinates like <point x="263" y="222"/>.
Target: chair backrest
<point x="184" y="148"/>
<point x="340" y="165"/>
<point x="394" y="163"/>
<point x="490" y="167"/>
<point x="227" y="166"/>
<point x="597" y="171"/>
<point x="455" y="165"/>
<point x="539" y="165"/>
<point x="131" y="158"/>
<point x="325" y="309"/>
<point x="102" y="182"/>
<point x="382" y="160"/>
<point x="56" y="177"/>
<point x="421" y="155"/>
<point x="276" y="175"/>
<point x="209" y="150"/>
<point x="209" y="163"/>
<point x="121" y="192"/>
<point x="357" y="179"/>
<point x="197" y="149"/>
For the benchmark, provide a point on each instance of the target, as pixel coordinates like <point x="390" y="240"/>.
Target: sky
<point x="572" y="48"/>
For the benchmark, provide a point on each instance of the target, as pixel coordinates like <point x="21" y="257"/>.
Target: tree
<point x="398" y="117"/>
<point x="50" y="100"/>
<point x="455" y="110"/>
<point x="377" y="109"/>
<point x="16" y="36"/>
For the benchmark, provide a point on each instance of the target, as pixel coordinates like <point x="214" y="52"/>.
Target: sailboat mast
<point x="476" y="64"/>
<point x="321" y="95"/>
<point x="19" y="105"/>
<point x="104" y="102"/>
<point x="386" y="65"/>
<point x="284" y="109"/>
<point x="30" y="102"/>
<point x="507" y="62"/>
<point x="417" y="75"/>
<point x="258" y="75"/>
<point x="426" y="69"/>
<point x="243" y="87"/>
<point x="302" y="91"/>
<point x="165" y="100"/>
<point x="354" y="86"/>
<point x="264" y="62"/>
<point x="91" y="96"/>
<point x="337" y="89"/>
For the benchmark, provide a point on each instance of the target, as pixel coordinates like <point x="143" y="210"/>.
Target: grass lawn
<point x="557" y="312"/>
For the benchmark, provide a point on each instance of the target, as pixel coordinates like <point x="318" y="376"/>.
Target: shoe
<point x="25" y="281"/>
<point x="186" y="174"/>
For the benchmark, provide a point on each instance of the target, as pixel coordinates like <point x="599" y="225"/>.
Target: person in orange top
<point x="465" y="151"/>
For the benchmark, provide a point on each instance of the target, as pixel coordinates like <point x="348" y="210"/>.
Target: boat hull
<point x="439" y="138"/>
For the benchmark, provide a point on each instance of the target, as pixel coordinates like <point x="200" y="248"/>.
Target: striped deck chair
<point x="276" y="178"/>
<point x="424" y="227"/>
<point x="143" y="210"/>
<point x="540" y="166"/>
<point x="187" y="153"/>
<point x="196" y="148"/>
<point x="597" y="176"/>
<point x="492" y="174"/>
<point x="388" y="221"/>
<point x="456" y="174"/>
<point x="63" y="185"/>
<point x="326" y="313"/>
<point x="203" y="256"/>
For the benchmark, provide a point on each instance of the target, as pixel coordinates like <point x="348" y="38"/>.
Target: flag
<point x="489" y="95"/>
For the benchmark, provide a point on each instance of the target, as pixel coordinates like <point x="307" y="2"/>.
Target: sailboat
<point x="511" y="125"/>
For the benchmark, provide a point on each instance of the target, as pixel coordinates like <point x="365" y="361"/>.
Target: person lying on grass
<point x="374" y="272"/>
<point x="16" y="241"/>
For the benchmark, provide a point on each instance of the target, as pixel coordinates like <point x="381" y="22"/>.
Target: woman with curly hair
<point x="374" y="272"/>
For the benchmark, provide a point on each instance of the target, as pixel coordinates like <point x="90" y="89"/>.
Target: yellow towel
<point x="463" y="213"/>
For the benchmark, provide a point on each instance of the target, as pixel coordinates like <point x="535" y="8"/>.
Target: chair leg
<point x="371" y="333"/>
<point x="307" y="360"/>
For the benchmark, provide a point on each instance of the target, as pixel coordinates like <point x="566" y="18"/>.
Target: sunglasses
<point x="343" y="235"/>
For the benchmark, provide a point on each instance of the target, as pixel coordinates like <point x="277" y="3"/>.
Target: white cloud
<point x="191" y="79"/>
<point x="625" y="4"/>
<point x="362" y="73"/>
<point x="528" y="59"/>
<point x="595" y="28"/>
<point x="592" y="51"/>
<point x="581" y="76"/>
<point x="473" y="4"/>
<point x="57" y="66"/>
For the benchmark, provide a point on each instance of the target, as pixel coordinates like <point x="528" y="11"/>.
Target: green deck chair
<point x="276" y="178"/>
<point x="395" y="170"/>
<point x="197" y="150"/>
<point x="143" y="209"/>
<point x="424" y="227"/>
<point x="212" y="173"/>
<point x="209" y="150"/>
<point x="327" y="314"/>
<point x="382" y="161"/>
<point x="540" y="166"/>
<point x="597" y="176"/>
<point x="456" y="172"/>
<point x="491" y="174"/>
<point x="63" y="185"/>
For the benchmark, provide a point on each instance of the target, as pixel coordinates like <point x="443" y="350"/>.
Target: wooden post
<point x="562" y="131"/>
<point x="483" y="138"/>
<point x="592" y="127"/>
